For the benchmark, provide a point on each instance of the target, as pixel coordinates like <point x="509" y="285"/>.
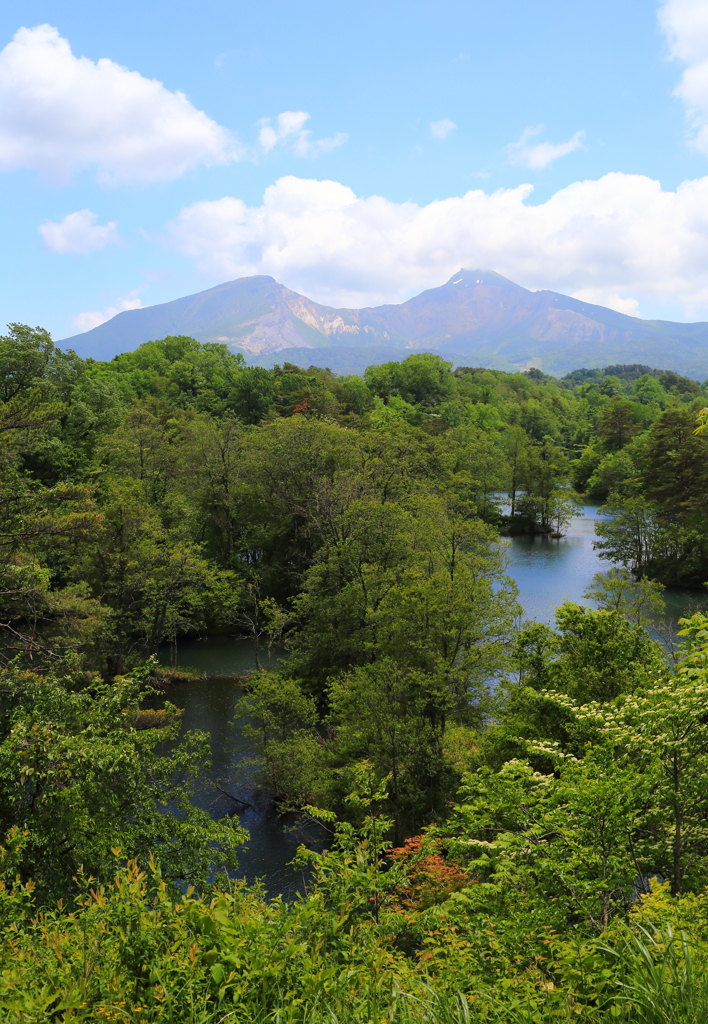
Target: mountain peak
<point x="478" y="317"/>
<point x="472" y="278"/>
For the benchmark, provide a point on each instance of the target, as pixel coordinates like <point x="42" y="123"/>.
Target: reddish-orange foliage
<point x="431" y="876"/>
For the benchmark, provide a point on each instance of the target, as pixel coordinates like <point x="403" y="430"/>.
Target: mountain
<point x="478" y="318"/>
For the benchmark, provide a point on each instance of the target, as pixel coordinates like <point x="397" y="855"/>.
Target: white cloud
<point x="619" y="240"/>
<point x="685" y="24"/>
<point x="60" y="113"/>
<point x="78" y="233"/>
<point x="87" y="321"/>
<point x="289" y="131"/>
<point x="541" y="154"/>
<point x="441" y="129"/>
<point x="606" y="297"/>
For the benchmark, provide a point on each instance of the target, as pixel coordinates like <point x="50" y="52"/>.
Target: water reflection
<point x="219" y="656"/>
<point x="548" y="572"/>
<point x="209" y="704"/>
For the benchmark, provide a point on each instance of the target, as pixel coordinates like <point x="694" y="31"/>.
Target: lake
<point x="546" y="571"/>
<point x="210" y="706"/>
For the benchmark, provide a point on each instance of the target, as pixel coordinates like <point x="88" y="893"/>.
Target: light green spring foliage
<point x="645" y="745"/>
<point x="81" y="771"/>
<point x="345" y="952"/>
<point x="640" y="601"/>
<point x="560" y="915"/>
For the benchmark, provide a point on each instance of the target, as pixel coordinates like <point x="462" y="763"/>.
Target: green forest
<point x="516" y="816"/>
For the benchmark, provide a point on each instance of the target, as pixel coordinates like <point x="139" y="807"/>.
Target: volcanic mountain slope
<point x="477" y="318"/>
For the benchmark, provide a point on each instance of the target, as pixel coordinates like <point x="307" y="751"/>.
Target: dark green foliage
<point x="662" y="533"/>
<point x="624" y="371"/>
<point x="252" y="395"/>
<point x="675" y="382"/>
<point x="396" y="717"/>
<point x="618" y="424"/>
<point x="674" y="465"/>
<point x="423" y="379"/>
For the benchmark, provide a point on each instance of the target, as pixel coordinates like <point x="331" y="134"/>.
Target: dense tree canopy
<point x="544" y="789"/>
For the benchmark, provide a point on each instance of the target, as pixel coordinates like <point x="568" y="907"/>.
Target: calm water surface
<point x="547" y="573"/>
<point x="209" y="705"/>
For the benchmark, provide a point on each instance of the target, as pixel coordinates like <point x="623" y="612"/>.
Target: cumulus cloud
<point x="87" y="321"/>
<point x="289" y="131"/>
<point x="606" y="297"/>
<point x="441" y="129"/>
<point x="540" y="154"/>
<point x="78" y="233"/>
<point x="685" y="24"/>
<point x="618" y="241"/>
<point x="60" y="113"/>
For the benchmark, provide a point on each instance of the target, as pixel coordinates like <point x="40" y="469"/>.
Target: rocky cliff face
<point x="477" y="317"/>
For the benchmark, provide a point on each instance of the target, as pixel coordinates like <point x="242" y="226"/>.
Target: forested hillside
<point x="517" y="815"/>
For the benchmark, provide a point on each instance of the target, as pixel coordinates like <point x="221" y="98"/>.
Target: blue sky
<point x="149" y="150"/>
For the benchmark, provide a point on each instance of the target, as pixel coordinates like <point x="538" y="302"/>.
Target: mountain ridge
<point x="477" y="317"/>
